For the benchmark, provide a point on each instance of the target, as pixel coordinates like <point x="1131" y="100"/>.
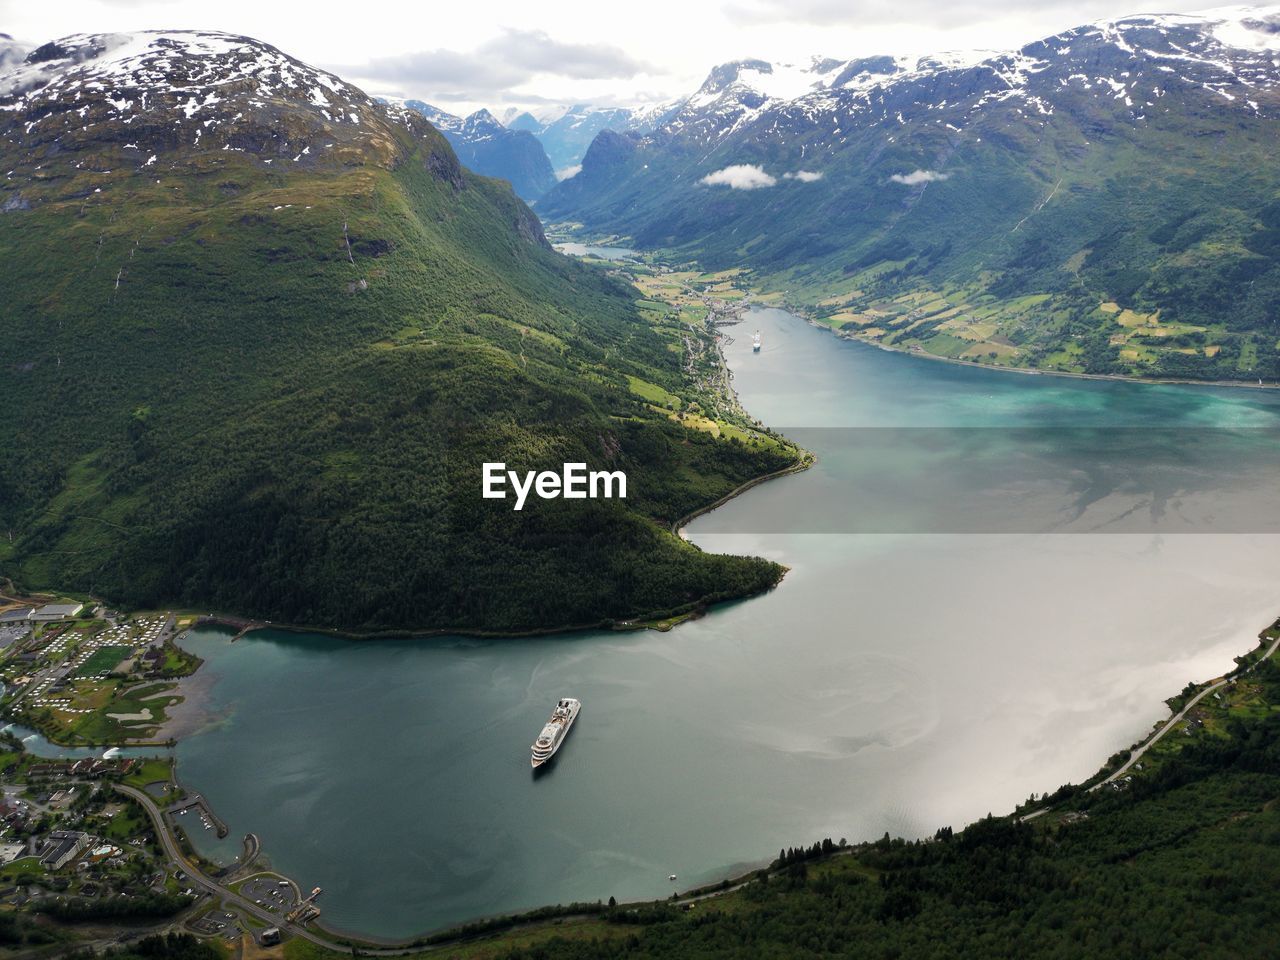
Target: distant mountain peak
<point x="488" y="147"/>
<point x="482" y="121"/>
<point x="724" y="75"/>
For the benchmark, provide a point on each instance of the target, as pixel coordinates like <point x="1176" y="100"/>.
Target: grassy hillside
<point x="269" y="390"/>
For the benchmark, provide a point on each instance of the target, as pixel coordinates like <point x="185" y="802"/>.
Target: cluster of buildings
<point x="87" y="768"/>
<point x="40" y="824"/>
<point x="58" y="848"/>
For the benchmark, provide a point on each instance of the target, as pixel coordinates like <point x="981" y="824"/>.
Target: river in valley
<point x="961" y="626"/>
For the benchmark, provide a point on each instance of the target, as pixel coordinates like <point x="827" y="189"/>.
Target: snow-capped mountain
<point x="736" y="93"/>
<point x="488" y="147"/>
<point x="1037" y="172"/>
<point x="274" y="314"/>
<point x="156" y="93"/>
<point x="1133" y="60"/>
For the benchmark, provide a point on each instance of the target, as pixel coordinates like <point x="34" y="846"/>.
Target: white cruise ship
<point x="755" y="342"/>
<point x="553" y="734"/>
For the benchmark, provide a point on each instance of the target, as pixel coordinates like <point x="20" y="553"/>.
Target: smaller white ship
<point x="553" y="734"/>
<point x="755" y="342"/>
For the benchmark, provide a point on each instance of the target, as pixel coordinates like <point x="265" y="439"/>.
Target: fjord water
<point x="896" y="681"/>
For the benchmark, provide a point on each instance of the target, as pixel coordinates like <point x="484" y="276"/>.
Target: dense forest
<point x="169" y="946"/>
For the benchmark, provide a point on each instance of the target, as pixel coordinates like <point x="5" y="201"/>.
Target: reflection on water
<point x="1047" y="479"/>
<point x="895" y="681"/>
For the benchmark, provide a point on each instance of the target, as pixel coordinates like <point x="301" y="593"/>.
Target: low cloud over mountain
<point x="740" y="176"/>
<point x="917" y="177"/>
<point x="508" y="60"/>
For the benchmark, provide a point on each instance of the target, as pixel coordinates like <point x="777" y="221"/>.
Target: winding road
<point x="216" y="889"/>
<point x="1176" y="719"/>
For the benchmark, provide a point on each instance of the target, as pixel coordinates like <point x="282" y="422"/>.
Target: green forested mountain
<point x="1105" y="200"/>
<point x="259" y="333"/>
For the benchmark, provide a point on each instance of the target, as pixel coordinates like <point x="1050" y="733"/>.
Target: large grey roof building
<point x="57" y="611"/>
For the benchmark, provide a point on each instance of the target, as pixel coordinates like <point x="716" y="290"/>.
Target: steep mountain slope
<point x="1105" y="200"/>
<point x="259" y="334"/>
<point x="486" y="146"/>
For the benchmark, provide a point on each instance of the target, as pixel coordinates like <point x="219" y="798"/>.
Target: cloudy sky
<point x="500" y="53"/>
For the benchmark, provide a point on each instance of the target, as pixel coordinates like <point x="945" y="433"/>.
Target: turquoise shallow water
<point x="897" y="680"/>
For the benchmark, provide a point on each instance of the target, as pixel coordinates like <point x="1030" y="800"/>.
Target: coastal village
<point x="96" y="837"/>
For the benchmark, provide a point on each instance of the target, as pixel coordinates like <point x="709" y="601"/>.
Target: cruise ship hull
<point x="555" y="732"/>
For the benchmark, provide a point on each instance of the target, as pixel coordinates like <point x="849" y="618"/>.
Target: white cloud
<point x="804" y="176"/>
<point x="512" y="58"/>
<point x="569" y="172"/>
<point x="740" y="176"/>
<point x="917" y="177"/>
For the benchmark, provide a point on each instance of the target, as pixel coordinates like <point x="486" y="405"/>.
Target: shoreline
<point x="807" y="461"/>
<point x="802" y="312"/>
<point x="797" y="311"/>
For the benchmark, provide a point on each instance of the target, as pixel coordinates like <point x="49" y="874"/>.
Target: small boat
<point x="672" y="877"/>
<point x="553" y="734"/>
<point x="755" y="342"/>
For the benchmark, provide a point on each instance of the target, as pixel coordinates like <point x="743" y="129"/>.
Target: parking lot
<point x="271" y="892"/>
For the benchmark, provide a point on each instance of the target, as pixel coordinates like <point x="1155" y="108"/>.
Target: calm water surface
<point x="895" y="681"/>
<point x="592" y="250"/>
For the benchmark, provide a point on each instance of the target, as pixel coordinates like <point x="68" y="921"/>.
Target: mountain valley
<point x="1101" y="201"/>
